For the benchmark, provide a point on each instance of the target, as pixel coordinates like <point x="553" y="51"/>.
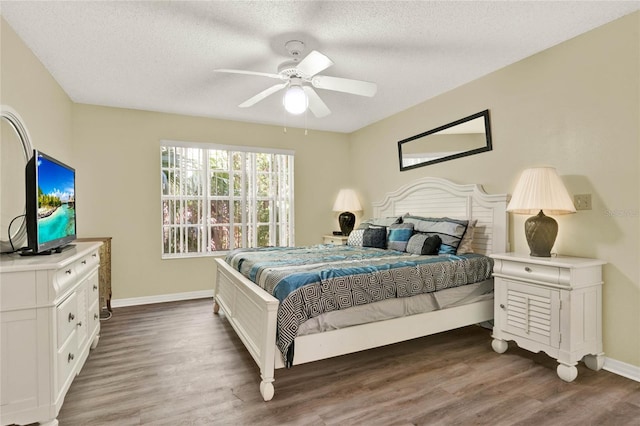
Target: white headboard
<point x="436" y="197"/>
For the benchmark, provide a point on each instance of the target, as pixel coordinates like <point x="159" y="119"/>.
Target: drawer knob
<point x="84" y="262"/>
<point x="502" y="306"/>
<point x="80" y="324"/>
<point x="70" y="357"/>
<point x="94" y="255"/>
<point x="71" y="317"/>
<point x="68" y="272"/>
<point x="95" y="316"/>
<point x="95" y="287"/>
<point x="526" y="268"/>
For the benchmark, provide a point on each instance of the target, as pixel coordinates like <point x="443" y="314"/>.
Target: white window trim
<point x="222" y="147"/>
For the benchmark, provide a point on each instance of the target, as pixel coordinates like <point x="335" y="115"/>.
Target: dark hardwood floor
<point x="179" y="364"/>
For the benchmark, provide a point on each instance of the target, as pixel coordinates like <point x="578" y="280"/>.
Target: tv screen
<point x="50" y="206"/>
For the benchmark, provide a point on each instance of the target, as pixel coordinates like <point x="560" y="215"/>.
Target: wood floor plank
<point x="179" y="364"/>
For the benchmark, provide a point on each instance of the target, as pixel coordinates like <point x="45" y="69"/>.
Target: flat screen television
<point x="50" y="204"/>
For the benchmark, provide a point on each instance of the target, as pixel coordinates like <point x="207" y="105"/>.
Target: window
<point x="217" y="198"/>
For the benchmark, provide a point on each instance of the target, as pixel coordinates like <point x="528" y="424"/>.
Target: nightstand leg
<point x="500" y="346"/>
<point x="568" y="373"/>
<point x="216" y="307"/>
<point x="594" y="362"/>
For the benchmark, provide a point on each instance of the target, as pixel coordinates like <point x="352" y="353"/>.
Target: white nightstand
<point x="340" y="240"/>
<point x="550" y="304"/>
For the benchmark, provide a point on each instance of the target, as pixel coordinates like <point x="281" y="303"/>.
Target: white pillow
<point x="355" y="238"/>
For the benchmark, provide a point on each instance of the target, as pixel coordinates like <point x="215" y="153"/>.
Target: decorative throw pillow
<point x="399" y="235"/>
<point x="467" y="238"/>
<point x="375" y="237"/>
<point x="449" y="230"/>
<point x="355" y="238"/>
<point x="424" y="244"/>
<point x="431" y="245"/>
<point x="380" y="221"/>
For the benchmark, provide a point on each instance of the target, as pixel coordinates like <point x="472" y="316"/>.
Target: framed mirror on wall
<point x="15" y="151"/>
<point x="467" y="136"/>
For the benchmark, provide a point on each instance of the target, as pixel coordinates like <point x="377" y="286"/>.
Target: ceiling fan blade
<point x="316" y="105"/>
<point x="314" y="63"/>
<point x="262" y="74"/>
<point x="355" y="87"/>
<point x="260" y="96"/>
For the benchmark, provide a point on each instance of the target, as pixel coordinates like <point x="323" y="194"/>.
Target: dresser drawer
<point x="530" y="271"/>
<point x="64" y="278"/>
<point x="93" y="287"/>
<point x="93" y="317"/>
<point x="67" y="318"/>
<point x="66" y="359"/>
<point x="86" y="263"/>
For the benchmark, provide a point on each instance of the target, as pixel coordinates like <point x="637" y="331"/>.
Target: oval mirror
<point x="15" y="151"/>
<point x="467" y="136"/>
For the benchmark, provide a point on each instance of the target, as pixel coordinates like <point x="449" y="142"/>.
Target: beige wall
<point x="117" y="154"/>
<point x="575" y="107"/>
<point x="28" y="88"/>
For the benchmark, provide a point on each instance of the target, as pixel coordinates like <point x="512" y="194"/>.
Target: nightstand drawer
<point x="529" y="271"/>
<point x="335" y="239"/>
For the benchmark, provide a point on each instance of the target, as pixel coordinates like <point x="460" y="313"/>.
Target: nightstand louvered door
<point x="530" y="312"/>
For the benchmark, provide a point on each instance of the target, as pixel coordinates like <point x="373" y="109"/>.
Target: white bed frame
<point x="252" y="311"/>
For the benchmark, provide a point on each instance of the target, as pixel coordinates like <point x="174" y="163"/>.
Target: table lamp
<point x="346" y="202"/>
<point x="540" y="189"/>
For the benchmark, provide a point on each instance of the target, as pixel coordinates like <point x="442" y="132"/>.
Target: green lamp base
<point x="541" y="232"/>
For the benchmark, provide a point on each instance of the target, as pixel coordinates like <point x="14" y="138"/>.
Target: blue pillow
<point x="399" y="235"/>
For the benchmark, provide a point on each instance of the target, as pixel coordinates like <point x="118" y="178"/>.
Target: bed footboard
<point x="252" y="313"/>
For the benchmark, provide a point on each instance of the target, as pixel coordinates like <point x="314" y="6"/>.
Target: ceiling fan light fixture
<point x="295" y="100"/>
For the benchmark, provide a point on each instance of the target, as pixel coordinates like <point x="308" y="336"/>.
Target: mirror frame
<point x="488" y="146"/>
<point x="14" y="119"/>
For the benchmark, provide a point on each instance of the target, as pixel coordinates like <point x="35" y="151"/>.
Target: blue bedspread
<point x="313" y="280"/>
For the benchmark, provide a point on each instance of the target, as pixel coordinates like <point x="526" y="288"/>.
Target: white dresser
<point x="550" y="304"/>
<point x="49" y="318"/>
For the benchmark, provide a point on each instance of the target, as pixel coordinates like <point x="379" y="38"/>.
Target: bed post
<point x="267" y="358"/>
<point x="253" y="314"/>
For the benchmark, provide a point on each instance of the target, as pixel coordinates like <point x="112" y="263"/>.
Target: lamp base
<point x="346" y="220"/>
<point x="541" y="232"/>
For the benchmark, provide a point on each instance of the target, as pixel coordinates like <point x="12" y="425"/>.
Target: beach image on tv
<point x="56" y="201"/>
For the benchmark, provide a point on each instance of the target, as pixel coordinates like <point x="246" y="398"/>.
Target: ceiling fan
<point x="300" y="77"/>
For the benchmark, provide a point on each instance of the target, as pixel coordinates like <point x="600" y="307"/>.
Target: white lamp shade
<point x="295" y="100"/>
<point x="347" y="201"/>
<point x="540" y="188"/>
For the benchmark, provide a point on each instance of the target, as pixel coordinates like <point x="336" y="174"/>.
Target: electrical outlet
<point x="582" y="201"/>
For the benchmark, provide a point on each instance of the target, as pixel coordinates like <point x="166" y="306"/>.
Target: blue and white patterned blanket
<point x="313" y="280"/>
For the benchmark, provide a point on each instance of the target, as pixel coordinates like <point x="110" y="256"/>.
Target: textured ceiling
<point x="160" y="55"/>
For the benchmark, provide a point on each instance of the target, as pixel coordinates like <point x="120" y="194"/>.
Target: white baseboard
<point x="161" y="298"/>
<point x="614" y="366"/>
<point x="622" y="369"/>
